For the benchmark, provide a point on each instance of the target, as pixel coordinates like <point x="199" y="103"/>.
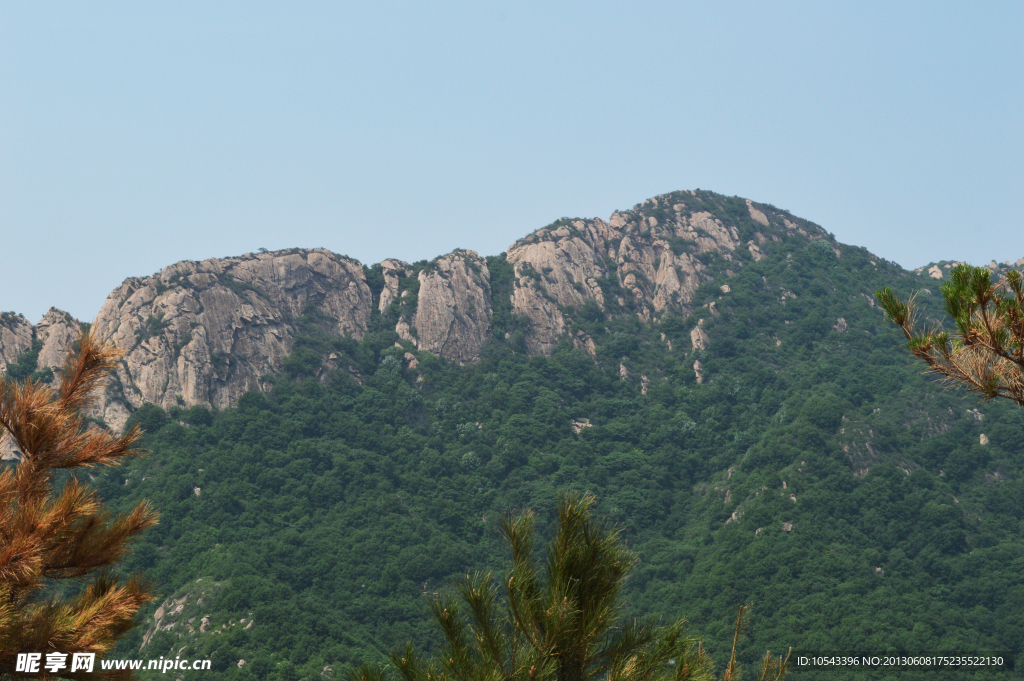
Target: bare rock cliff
<point x="57" y="330"/>
<point x="645" y="261"/>
<point x="15" y="338"/>
<point x="393" y="271"/>
<point x="54" y="333"/>
<point x="453" y="310"/>
<point x="557" y="267"/>
<point x="202" y="333"/>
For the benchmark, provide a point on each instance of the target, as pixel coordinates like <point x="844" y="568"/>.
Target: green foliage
<point x="679" y="245"/>
<point x="240" y="288"/>
<point x="505" y="324"/>
<point x="335" y="505"/>
<point x="153" y="326"/>
<point x="986" y="355"/>
<point x="375" y="280"/>
<point x="561" y="621"/>
<point x="25" y="367"/>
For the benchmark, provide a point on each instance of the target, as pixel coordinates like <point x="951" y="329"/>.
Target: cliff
<point x="204" y="333"/>
<point x="646" y="261"/>
<point x="15" y="339"/>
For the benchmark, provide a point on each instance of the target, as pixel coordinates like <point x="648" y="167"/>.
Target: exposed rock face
<point x="755" y="251"/>
<point x="202" y="333"/>
<point x="57" y="330"/>
<point x="554" y="268"/>
<point x="8" y="448"/>
<point x="654" y="254"/>
<point x="699" y="338"/>
<point x="756" y="215"/>
<point x="453" y="311"/>
<point x="392" y="270"/>
<point x="15" y="339"/>
<point x="578" y="426"/>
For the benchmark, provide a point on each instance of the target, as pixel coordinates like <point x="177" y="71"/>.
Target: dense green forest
<point x="814" y="472"/>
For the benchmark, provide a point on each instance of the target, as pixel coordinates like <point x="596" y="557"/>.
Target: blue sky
<point x="133" y="135"/>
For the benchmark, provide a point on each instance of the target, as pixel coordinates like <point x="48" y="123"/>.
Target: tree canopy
<point x="562" y="623"/>
<point x="815" y="472"/>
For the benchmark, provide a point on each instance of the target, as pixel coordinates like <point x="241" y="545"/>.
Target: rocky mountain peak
<point x="15" y="338"/>
<point x="203" y="333"/>
<point x="56" y="330"/>
<point x="648" y="260"/>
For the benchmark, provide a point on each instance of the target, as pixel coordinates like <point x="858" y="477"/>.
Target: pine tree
<point x="51" y="537"/>
<point x="565" y="626"/>
<point x="986" y="352"/>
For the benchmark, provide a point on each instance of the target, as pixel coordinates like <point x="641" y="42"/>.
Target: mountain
<point x="715" y="370"/>
<point x="203" y="333"/>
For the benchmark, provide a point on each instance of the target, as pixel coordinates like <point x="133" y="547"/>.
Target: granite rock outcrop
<point x="646" y="261"/>
<point x="204" y="333"/>
<point x="15" y="338"/>
<point x="453" y="307"/>
<point x="57" y="330"/>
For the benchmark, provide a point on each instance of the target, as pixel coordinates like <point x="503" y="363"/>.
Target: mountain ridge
<point x="205" y="332"/>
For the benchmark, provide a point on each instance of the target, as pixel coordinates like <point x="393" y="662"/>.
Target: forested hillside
<point x="776" y="446"/>
<point x="813" y="471"/>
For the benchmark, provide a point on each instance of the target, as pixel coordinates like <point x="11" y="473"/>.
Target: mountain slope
<point x="761" y="436"/>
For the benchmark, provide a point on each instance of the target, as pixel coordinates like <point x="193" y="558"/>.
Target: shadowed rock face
<point x="202" y="333"/>
<point x="393" y="269"/>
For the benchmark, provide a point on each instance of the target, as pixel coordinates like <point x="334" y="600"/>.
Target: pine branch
<point x="67" y="534"/>
<point x="987" y="354"/>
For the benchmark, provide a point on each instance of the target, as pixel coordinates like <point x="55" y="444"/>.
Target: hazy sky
<point x="133" y="135"/>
